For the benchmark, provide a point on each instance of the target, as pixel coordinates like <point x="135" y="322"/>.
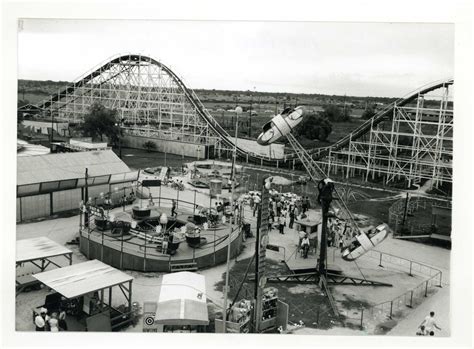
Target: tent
<point x="182" y="300"/>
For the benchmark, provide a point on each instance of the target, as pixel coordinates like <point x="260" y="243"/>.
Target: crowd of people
<point x="283" y="210"/>
<point x="286" y="209"/>
<point x="54" y="323"/>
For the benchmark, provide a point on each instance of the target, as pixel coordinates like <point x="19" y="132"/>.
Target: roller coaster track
<point x="226" y="139"/>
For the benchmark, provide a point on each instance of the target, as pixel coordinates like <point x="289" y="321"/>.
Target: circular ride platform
<point x="136" y="250"/>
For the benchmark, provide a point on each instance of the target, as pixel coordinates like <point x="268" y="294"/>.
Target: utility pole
<point x="86" y="200"/>
<point x="232" y="223"/>
<point x="344" y="112"/>
<point x="325" y="187"/>
<point x="250" y="117"/>
<point x="52" y="124"/>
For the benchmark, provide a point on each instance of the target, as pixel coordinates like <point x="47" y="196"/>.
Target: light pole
<point x="250" y="113"/>
<point x="119" y="125"/>
<point x="238" y="110"/>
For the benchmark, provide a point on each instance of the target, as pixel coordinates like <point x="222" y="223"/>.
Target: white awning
<point x="38" y="248"/>
<point x="182" y="300"/>
<point x="79" y="279"/>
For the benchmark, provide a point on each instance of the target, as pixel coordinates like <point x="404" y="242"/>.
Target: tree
<point x="314" y="127"/>
<point x="100" y="122"/>
<point x="336" y="114"/>
<point x="149" y="146"/>
<point x="368" y="113"/>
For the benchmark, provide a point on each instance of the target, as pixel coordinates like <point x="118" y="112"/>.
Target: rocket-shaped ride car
<point x="280" y="125"/>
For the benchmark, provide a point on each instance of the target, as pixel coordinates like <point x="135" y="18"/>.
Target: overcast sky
<point x="361" y="59"/>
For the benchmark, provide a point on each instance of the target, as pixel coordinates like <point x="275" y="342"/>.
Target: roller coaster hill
<point x="411" y="139"/>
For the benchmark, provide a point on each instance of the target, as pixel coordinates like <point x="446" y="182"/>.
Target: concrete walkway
<point x="439" y="303"/>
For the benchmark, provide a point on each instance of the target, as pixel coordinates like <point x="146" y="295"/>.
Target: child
<point x="421" y="331"/>
<point x="53" y="323"/>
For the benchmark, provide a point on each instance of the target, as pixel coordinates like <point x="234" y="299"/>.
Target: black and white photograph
<point x="284" y="178"/>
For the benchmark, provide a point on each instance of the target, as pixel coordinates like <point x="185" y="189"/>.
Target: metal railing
<point x="396" y="307"/>
<point x="151" y="250"/>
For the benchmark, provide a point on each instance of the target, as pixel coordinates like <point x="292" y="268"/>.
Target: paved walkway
<point x="439" y="303"/>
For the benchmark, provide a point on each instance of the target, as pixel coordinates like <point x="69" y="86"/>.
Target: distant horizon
<point x="246" y="91"/>
<point x="358" y="59"/>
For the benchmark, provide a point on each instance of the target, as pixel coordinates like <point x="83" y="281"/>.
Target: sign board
<point x="151" y="183"/>
<point x="149" y="313"/>
<point x="216" y="187"/>
<point x="262" y="247"/>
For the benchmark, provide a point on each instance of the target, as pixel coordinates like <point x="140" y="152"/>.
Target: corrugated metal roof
<point x="37" y="248"/>
<point x="53" y="167"/>
<point x="79" y="279"/>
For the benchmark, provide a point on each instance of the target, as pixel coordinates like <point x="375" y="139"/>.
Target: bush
<point x="149" y="146"/>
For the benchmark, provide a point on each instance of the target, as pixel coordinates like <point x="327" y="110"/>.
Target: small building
<point x="79" y="144"/>
<point x="44" y="127"/>
<point x="23" y="148"/>
<point x="53" y="183"/>
<point x="29" y="110"/>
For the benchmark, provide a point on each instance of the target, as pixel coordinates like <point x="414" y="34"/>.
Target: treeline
<point x="49" y="87"/>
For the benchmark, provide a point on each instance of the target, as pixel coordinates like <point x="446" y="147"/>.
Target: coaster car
<point x="280" y="125"/>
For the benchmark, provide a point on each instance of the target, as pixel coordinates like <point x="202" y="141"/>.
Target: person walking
<point x="281" y="224"/>
<point x="272" y="216"/>
<point x="62" y="320"/>
<point x="304" y="205"/>
<point x="305" y="245"/>
<point x="430" y="324"/>
<point x="292" y="219"/>
<point x="173" y="209"/>
<point x="341" y="243"/>
<point x="256" y="204"/>
<point x="301" y="236"/>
